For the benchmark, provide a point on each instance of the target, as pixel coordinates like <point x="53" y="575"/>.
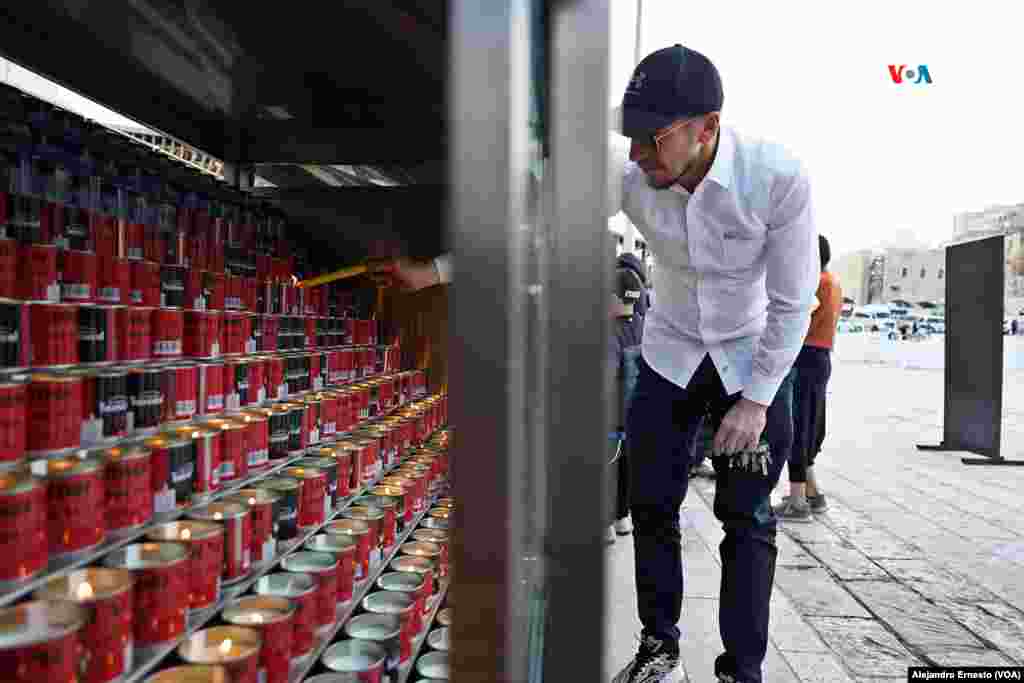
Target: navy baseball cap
<point x="670" y="84"/>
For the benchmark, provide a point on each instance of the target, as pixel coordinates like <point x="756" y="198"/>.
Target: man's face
<point x="668" y="153"/>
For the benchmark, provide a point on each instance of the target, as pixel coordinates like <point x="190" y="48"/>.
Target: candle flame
<point x="218" y="515"/>
<point x="85" y="591"/>
<point x="186" y="534"/>
<point x="225" y="647"/>
<point x="252" y="501"/>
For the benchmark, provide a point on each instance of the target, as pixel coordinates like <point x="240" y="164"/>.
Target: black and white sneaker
<point x="654" y="663"/>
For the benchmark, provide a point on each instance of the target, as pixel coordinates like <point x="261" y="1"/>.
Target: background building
<point x="873" y="276"/>
<point x="914" y="275"/>
<point x="989" y="221"/>
<point x="995" y="220"/>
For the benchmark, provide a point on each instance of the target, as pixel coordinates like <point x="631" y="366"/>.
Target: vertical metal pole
<point x="488" y="99"/>
<point x="578" y="293"/>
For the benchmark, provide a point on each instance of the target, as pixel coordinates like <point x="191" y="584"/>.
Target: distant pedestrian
<point x="811" y="373"/>
<point x="1014" y="327"/>
<point x="627" y="335"/>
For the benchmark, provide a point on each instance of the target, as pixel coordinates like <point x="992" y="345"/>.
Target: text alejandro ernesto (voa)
<point x="966" y="673"/>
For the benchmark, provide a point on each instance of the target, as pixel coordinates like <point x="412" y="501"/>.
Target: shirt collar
<point x="721" y="168"/>
<point x="720" y="172"/>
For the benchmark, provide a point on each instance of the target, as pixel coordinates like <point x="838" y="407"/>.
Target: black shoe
<point x="655" y="662"/>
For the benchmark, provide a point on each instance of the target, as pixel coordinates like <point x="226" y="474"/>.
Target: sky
<point x="889" y="163"/>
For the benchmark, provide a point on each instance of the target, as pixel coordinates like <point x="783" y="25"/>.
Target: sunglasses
<point x="656" y="138"/>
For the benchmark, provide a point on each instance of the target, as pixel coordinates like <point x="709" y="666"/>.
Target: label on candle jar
<point x="164" y="501"/>
<point x="259" y="457"/>
<point x="92" y="432"/>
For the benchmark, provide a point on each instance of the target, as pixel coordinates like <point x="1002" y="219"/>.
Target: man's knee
<point x="745" y="507"/>
<point x="655" y="520"/>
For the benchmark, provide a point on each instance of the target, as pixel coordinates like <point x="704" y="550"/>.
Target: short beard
<point x="693" y="163"/>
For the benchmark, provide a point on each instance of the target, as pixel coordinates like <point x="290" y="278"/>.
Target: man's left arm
<point x="792" y="272"/>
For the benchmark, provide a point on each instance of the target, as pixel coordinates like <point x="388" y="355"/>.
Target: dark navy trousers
<point x="662" y="425"/>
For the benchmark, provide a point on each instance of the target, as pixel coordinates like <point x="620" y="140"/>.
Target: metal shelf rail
<point x="303" y="667"/>
<point x="10" y="594"/>
<point x="408" y="669"/>
<point x="63" y="566"/>
<point x="197" y="620"/>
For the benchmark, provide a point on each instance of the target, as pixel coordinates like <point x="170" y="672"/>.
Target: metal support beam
<point x="283" y="142"/>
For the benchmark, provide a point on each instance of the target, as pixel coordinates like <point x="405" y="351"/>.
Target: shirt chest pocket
<point x="743" y="247"/>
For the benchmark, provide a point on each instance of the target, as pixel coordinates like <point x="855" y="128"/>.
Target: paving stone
<point x="813" y="532"/>
<point x="701" y="641"/>
<point x="777" y="667"/>
<point x="865" y="647"/>
<point x="847" y="563"/>
<point x="996" y="622"/>
<point x="877" y="544"/>
<point x="844" y="520"/>
<point x="936" y="582"/>
<point x="966" y="656"/>
<point x="816" y="668"/>
<point x="792" y="554"/>
<point x="917" y="621"/>
<point x="813" y="592"/>
<point x="788" y="630"/>
<point x="701" y="577"/>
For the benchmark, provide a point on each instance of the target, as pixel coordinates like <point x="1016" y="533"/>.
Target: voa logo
<point x="901" y="74"/>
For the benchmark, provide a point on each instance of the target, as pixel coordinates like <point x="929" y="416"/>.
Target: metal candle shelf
<point x="302" y="667"/>
<point x="60" y="566"/>
<point x="227" y="414"/>
<point x="407" y="669"/>
<point x="197" y="620"/>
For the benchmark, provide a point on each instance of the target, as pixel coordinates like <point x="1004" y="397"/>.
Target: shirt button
<point x="725" y="368"/>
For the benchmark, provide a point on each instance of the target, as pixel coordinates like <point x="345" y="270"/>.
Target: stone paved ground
<point x="919" y="560"/>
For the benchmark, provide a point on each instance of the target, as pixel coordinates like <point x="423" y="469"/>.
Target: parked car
<point x="938" y="325"/>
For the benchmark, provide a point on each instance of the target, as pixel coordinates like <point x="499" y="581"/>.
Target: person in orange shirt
<point x="811" y="373"/>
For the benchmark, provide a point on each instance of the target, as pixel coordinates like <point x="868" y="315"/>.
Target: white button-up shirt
<point x="737" y="263"/>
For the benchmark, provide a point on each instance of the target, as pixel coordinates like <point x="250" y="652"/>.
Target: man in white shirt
<point x="730" y="222"/>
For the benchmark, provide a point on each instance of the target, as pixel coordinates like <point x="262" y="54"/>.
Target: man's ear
<point x="711" y="124"/>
